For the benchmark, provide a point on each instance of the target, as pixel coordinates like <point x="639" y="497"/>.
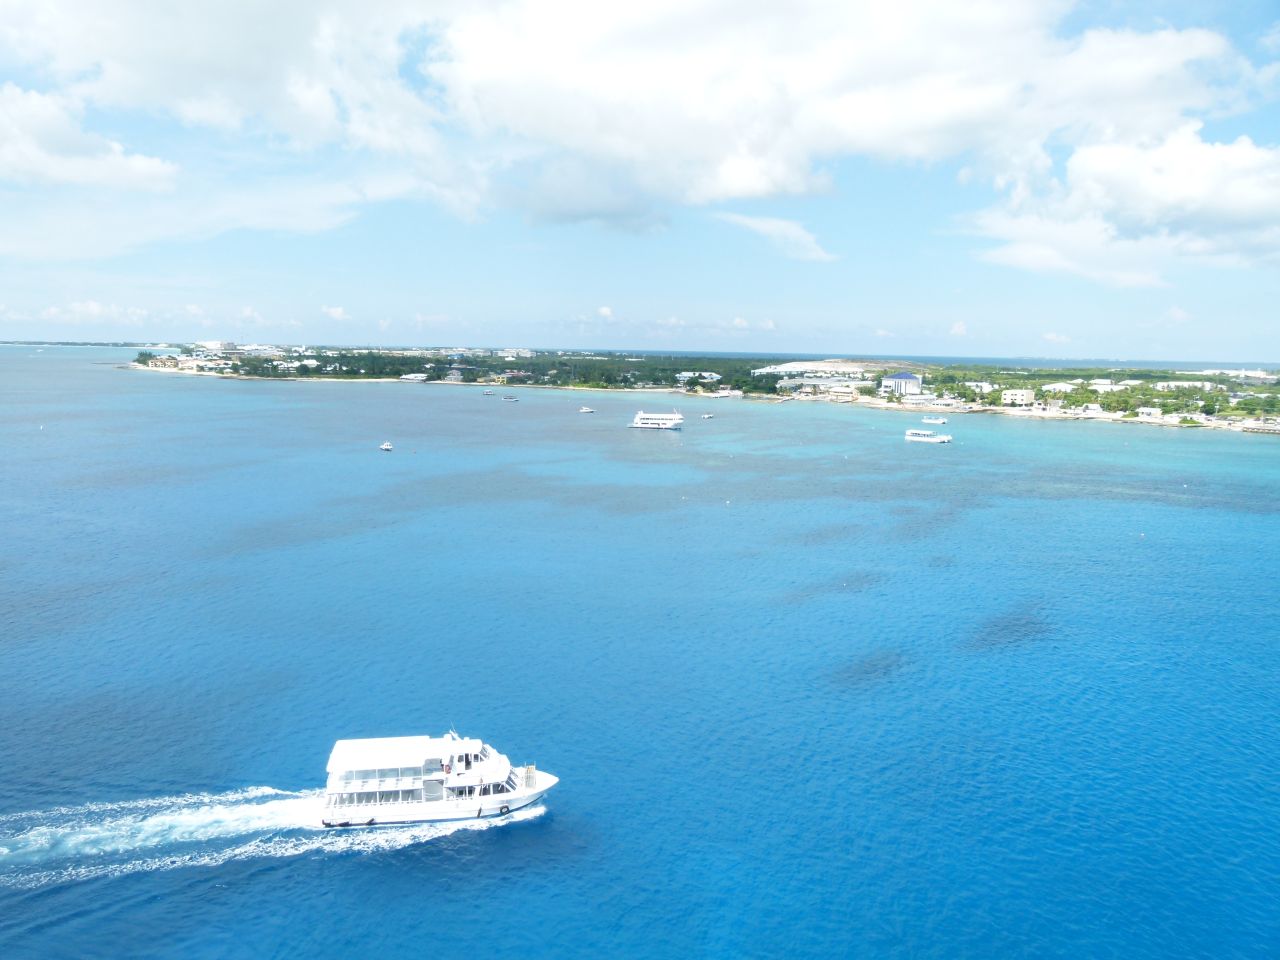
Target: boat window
<point x="410" y="771"/>
<point x="432" y="766"/>
<point x="388" y="773"/>
<point x="484" y="791"/>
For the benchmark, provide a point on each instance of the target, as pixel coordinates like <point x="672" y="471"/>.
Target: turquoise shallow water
<point x="810" y="689"/>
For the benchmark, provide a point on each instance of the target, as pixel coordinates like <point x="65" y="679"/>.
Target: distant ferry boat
<point x="585" y="410"/>
<point x="708" y="416"/>
<point x="511" y="398"/>
<point x="386" y="446"/>
<point x="928" y="436"/>
<point x="390" y="780"/>
<point x="933" y="419"/>
<point x="657" y="421"/>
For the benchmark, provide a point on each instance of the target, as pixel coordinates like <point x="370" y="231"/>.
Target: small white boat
<point x="657" y="421"/>
<point x="585" y="410"/>
<point x="708" y="416"/>
<point x="394" y="780"/>
<point x="927" y="436"/>
<point x="386" y="447"/>
<point x="488" y="393"/>
<point x="511" y="398"/>
<point x="934" y="420"/>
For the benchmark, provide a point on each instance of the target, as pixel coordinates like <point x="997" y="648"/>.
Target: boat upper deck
<point x="389" y="753"/>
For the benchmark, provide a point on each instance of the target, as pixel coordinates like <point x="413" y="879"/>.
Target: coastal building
<point x="168" y="362"/>
<point x="980" y="386"/>
<point x="1017" y="398"/>
<point x="1059" y="387"/>
<point x="705" y="375"/>
<point x="901" y="384"/>
<point x="1149" y="412"/>
<point x="1109" y="388"/>
<point x="1165" y="386"/>
<point x="830" y="368"/>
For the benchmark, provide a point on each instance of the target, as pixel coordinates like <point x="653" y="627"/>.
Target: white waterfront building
<point x="1017" y="398"/>
<point x="901" y="383"/>
<point x="390" y="780"/>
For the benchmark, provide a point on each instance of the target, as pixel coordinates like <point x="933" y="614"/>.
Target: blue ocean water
<point x="810" y="690"/>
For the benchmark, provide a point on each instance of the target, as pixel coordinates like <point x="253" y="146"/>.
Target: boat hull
<point x="436" y="811"/>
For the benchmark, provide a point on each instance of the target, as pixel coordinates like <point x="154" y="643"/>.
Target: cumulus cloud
<point x="791" y="239"/>
<point x="605" y="313"/>
<point x="1056" y="338"/>
<point x="958" y="329"/>
<point x="90" y="312"/>
<point x="335" y="313"/>
<point x="41" y="142"/>
<point x="570" y="109"/>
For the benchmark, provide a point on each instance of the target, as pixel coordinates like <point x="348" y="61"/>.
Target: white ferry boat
<point x="393" y="780"/>
<point x="386" y="447"/>
<point x="511" y="398"/>
<point x="657" y="421"/>
<point x="934" y="420"/>
<point x="928" y="436"/>
<point x="585" y="410"/>
<point x="708" y="416"/>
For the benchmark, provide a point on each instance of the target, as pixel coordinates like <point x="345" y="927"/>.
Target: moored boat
<point x="386" y="447"/>
<point x="935" y="420"/>
<point x="657" y="421"/>
<point x="927" y="436"/>
<point x="585" y="410"/>
<point x="396" y="780"/>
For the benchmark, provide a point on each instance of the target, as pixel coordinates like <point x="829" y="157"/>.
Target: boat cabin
<point x="415" y="770"/>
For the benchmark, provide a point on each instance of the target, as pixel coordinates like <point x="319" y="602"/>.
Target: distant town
<point x="1240" y="399"/>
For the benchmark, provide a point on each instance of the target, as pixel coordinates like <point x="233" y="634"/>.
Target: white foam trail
<point x="67" y="844"/>
<point x="148" y="803"/>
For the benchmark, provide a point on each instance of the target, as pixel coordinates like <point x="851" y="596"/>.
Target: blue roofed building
<point x="901" y="384"/>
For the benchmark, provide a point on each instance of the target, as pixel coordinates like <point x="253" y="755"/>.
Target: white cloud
<point x="1056" y="338"/>
<point x="958" y="329"/>
<point x="791" y="239"/>
<point x="579" y="110"/>
<point x="1177" y="315"/>
<point x="671" y="323"/>
<point x="335" y="313"/>
<point x="41" y="142"/>
<point x="91" y="312"/>
<point x="605" y="312"/>
<point x="881" y="332"/>
<point x="1270" y="41"/>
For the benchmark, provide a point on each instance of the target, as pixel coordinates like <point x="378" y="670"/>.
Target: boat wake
<point x="41" y="848"/>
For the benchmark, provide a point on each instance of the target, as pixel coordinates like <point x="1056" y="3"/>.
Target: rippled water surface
<point x="809" y="689"/>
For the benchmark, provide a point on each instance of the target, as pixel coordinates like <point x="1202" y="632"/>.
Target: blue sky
<point x="1033" y="179"/>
